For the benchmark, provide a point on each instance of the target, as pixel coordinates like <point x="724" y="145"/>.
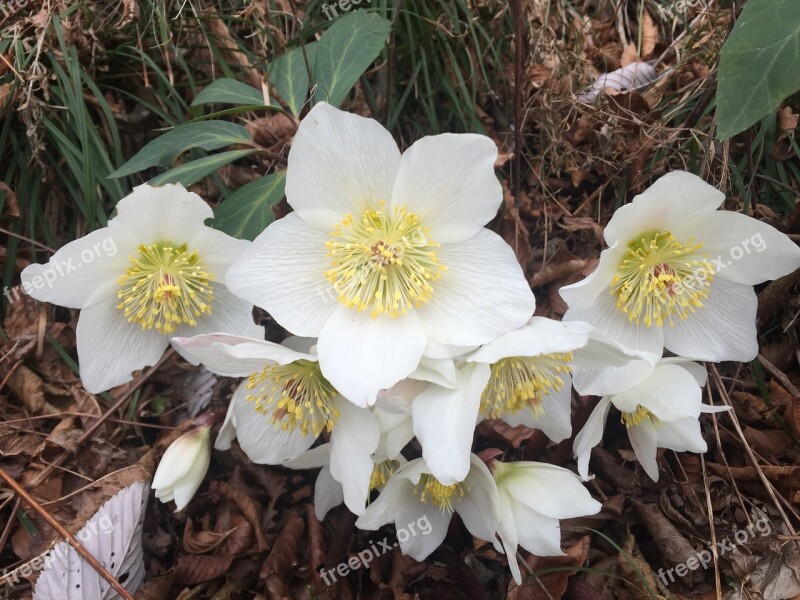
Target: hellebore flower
<point x="678" y="273"/>
<point x="155" y="271"/>
<point x="183" y="467"/>
<point x="384" y="252"/>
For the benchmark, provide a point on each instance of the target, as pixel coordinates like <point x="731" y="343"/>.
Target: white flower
<point x="383" y="253"/>
<point x="183" y="467"/>
<point x="660" y="409"/>
<point x="284" y="404"/>
<point x="393" y="416"/>
<point x="155" y="271"/>
<point x="533" y="497"/>
<point x="522" y="377"/>
<point x="412" y="493"/>
<point x="679" y="273"/>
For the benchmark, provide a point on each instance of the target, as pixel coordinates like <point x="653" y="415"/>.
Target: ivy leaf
<point x="759" y="64"/>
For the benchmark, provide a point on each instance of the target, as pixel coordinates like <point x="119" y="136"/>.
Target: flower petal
<point x="82" y="270"/>
<point x="555" y="422"/>
<point x="110" y="348"/>
<point x="507" y="530"/>
<point x="444" y="423"/>
<point x="283" y="272"/>
<point x="643" y="440"/>
<point x="361" y="355"/>
<point x="482" y="295"/>
<point x="590" y="435"/>
<point x="670" y="393"/>
<point x="449" y="181"/>
<point x="538" y="336"/>
<point x="478" y="506"/>
<point x="683" y="435"/>
<point x="339" y="164"/>
<point x="582" y="294"/>
<point x="328" y="493"/>
<point x="188" y="486"/>
<point x="354" y="438"/>
<point x="747" y="250"/>
<point x="549" y="490"/>
<point x="217" y="250"/>
<point x="167" y="213"/>
<point x="229" y="314"/>
<point x="538" y="534"/>
<point x="723" y="329"/>
<point x="265" y="442"/>
<point x="211" y="350"/>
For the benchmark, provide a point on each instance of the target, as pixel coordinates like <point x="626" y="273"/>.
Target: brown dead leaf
<point x="558" y="270"/>
<point x="499" y="429"/>
<point x="650" y="35"/>
<point x="629" y="55"/>
<point x="550" y="585"/>
<point x="196" y="568"/>
<point x="771" y="442"/>
<point x="674" y="547"/>
<point x="157" y="588"/>
<point x="284" y="550"/>
<point x="200" y="542"/>
<point x="249" y="507"/>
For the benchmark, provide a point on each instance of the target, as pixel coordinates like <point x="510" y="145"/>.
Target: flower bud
<point x="183" y="467"/>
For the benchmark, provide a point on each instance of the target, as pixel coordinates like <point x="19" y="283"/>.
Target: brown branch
<point x="42" y="512"/>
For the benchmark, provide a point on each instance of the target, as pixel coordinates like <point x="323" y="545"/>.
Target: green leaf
<point x="247" y="211"/>
<point x="289" y="75"/>
<point x="229" y="91"/>
<point x="759" y="64"/>
<point x="345" y="51"/>
<point x="208" y="135"/>
<point x="195" y="170"/>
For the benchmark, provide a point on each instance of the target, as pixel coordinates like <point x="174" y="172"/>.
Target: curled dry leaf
<point x="284" y="550"/>
<point x="634" y="76"/>
<point x="249" y="508"/>
<point x="196" y="568"/>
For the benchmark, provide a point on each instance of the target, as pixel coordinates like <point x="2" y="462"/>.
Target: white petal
<point x="441" y="371"/>
<point x="397" y="491"/>
<point x="724" y="328"/>
<point x="643" y="440"/>
<point x="478" y="506"/>
<point x="683" y="435"/>
<point x="670" y="393"/>
<point x="601" y="352"/>
<point x="189" y="485"/>
<point x="556" y="421"/>
<point x="538" y="534"/>
<point x="361" y="355"/>
<point x="328" y="493"/>
<point x="482" y="295"/>
<point x="538" y="336"/>
<point x="354" y="438"/>
<point x="82" y="270"/>
<point x="444" y="423"/>
<point x="211" y="349"/>
<point x="227" y="433"/>
<point x="339" y="164"/>
<point x="265" y="442"/>
<point x="110" y="348"/>
<point x="611" y="380"/>
<point x="507" y="530"/>
<point x="313" y="458"/>
<point x="590" y="436"/>
<point x="549" y="490"/>
<point x="582" y="295"/>
<point x="750" y="251"/>
<point x="449" y="181"/>
<point x="229" y="314"/>
<point x="283" y="272"/>
<point x="217" y="250"/>
<point x="167" y="213"/>
<point x="421" y="517"/>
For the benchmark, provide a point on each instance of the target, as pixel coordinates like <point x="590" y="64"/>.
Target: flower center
<point x="635" y="418"/>
<point x="381" y="473"/>
<point x="438" y="494"/>
<point x="520" y="382"/>
<point x="659" y="278"/>
<point x="296" y="394"/>
<point x="165" y="286"/>
<point x="383" y="263"/>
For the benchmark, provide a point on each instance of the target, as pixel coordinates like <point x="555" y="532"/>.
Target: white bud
<point x="183" y="467"/>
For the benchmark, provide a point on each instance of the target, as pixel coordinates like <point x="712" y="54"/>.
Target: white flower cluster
<point x="412" y="320"/>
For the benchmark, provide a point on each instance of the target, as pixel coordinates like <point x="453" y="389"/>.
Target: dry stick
<point x="20" y="491"/>
<point x="779" y="375"/>
<point x="712" y="529"/>
<point x="724" y="395"/>
<point x="57" y="462"/>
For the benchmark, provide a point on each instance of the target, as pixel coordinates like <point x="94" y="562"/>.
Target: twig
<point x="518" y="85"/>
<point x="779" y="375"/>
<point x="27" y="239"/>
<point x="93" y="562"/>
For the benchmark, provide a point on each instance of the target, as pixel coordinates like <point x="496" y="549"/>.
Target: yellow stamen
<point x="634" y="419"/>
<point x="438" y="494"/>
<point x="165" y="286"/>
<point x="660" y="278"/>
<point x="383" y="263"/>
<point x="296" y="395"/>
<point x="381" y="473"/>
<point x="521" y="382"/>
